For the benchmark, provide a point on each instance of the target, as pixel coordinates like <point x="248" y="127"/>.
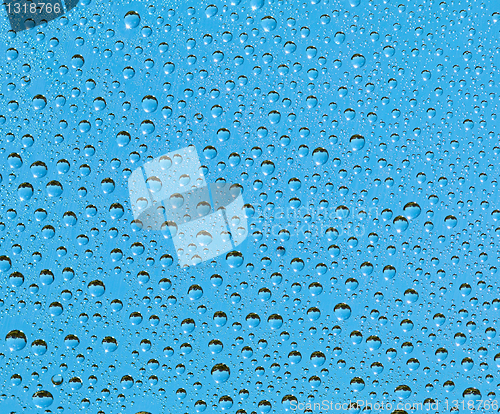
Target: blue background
<point x="283" y="79"/>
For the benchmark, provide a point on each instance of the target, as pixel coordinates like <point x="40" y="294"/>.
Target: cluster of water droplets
<point x="362" y="136"/>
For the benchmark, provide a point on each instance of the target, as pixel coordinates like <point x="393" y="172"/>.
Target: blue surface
<point x="328" y="222"/>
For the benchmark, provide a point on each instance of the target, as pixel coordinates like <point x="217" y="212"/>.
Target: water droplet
<point x="268" y="23"/>
<point x="256" y="4"/>
<point x="43" y="399"/>
<point x="357" y="142"/>
<point x="220" y="373"/>
<point x="358" y="61"/>
<point x="39" y="102"/>
<point x="132" y="20"/>
<point x="320" y="156"/>
<point x="342" y="311"/>
<point x="16" y="340"/>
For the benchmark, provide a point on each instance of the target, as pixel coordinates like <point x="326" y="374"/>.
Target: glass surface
<point x="332" y="239"/>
